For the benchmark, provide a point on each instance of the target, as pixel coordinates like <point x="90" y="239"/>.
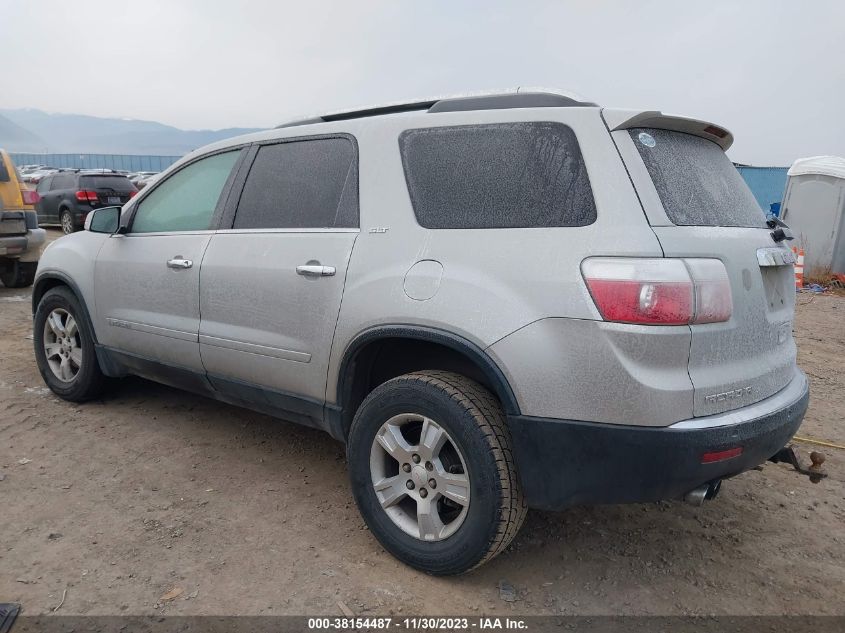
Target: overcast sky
<point x="773" y="72"/>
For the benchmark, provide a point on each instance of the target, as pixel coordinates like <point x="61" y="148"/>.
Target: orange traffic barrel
<point x="799" y="267"/>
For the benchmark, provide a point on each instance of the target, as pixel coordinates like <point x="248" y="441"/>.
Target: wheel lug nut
<point x="423" y="493"/>
<point x="416" y="458"/>
<point x="409" y="485"/>
<point x="432" y="484"/>
<point x="429" y="466"/>
<point x="406" y="468"/>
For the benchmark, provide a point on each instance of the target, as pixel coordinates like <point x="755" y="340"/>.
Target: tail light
<point x="133" y="193"/>
<point x="30" y="197"/>
<point x="87" y="196"/>
<point x="661" y="291"/>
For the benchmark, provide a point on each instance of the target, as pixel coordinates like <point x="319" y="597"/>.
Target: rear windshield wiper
<point x="781" y="230"/>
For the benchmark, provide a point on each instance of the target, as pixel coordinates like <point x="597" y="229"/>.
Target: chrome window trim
<point x="301" y="230"/>
<point x="165" y="233"/>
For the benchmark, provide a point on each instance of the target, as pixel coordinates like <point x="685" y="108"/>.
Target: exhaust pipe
<point x="697" y="496"/>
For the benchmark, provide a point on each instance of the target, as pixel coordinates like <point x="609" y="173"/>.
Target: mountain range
<point x="36" y="131"/>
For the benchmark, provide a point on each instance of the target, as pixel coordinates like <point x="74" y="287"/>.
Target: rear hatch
<point x="112" y="190"/>
<point x="699" y="206"/>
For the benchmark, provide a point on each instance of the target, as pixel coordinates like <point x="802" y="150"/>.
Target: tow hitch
<point x="788" y="455"/>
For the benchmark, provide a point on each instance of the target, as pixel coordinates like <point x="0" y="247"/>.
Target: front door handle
<point x="177" y="262"/>
<point x="310" y="270"/>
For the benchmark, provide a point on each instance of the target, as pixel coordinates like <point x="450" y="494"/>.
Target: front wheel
<point x="432" y="471"/>
<point x="64" y="347"/>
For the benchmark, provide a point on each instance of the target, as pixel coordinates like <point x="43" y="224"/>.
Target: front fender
<point x="70" y="260"/>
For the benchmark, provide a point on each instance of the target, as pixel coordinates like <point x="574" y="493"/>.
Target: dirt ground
<point x="150" y="490"/>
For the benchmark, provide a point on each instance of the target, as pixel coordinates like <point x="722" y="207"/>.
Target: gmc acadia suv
<point x="497" y="302"/>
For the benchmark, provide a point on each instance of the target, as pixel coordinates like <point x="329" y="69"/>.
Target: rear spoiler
<point x="627" y="119"/>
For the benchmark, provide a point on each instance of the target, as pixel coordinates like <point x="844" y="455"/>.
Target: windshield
<point x="696" y="181"/>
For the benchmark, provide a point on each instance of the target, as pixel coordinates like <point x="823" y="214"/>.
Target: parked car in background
<point x="20" y="238"/>
<point x="499" y="302"/>
<point x="23" y="170"/>
<point x="35" y="176"/>
<point x="141" y="178"/>
<point x="68" y="196"/>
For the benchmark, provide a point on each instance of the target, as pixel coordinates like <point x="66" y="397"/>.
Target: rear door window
<point x="186" y="201"/>
<point x="503" y="175"/>
<point x="301" y="184"/>
<point x="696" y="181"/>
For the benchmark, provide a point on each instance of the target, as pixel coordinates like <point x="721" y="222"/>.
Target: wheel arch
<point x="384" y="352"/>
<point x="54" y="279"/>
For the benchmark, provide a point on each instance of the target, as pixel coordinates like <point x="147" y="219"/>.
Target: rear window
<point x="696" y="181"/>
<point x="504" y="175"/>
<point x="115" y="183"/>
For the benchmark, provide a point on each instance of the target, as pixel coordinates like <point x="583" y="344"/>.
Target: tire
<point x="475" y="427"/>
<point x="19" y="274"/>
<point x="87" y="380"/>
<point x="66" y="220"/>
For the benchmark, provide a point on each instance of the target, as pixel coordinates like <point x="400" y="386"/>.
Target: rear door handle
<point x="310" y="270"/>
<point x="177" y="262"/>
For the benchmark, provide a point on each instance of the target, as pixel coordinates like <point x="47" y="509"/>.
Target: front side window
<point x="301" y="184"/>
<point x="503" y="175"/>
<point x="186" y="200"/>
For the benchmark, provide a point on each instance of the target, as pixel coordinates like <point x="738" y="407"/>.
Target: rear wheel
<point x="64" y="347"/>
<point x="19" y="274"/>
<point x="66" y="220"/>
<point x="432" y="471"/>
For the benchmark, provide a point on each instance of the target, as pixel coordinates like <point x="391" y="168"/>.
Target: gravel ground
<point x="156" y="501"/>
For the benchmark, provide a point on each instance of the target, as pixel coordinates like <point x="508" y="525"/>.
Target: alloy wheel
<point x="420" y="477"/>
<point x="62" y="345"/>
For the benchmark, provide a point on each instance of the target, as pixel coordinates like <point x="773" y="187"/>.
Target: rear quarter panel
<point x="494" y="281"/>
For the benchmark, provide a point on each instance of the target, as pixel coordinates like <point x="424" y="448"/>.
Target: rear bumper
<point x="563" y="463"/>
<point x="26" y="246"/>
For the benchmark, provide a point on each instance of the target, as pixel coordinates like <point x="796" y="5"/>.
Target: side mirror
<point x="104" y="220"/>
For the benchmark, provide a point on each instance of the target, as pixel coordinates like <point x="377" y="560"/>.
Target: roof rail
<point x="519" y="98"/>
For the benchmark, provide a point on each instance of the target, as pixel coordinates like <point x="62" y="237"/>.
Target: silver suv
<point x="497" y="302"/>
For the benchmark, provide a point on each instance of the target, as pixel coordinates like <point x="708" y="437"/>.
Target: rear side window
<point x="301" y="184"/>
<point x="504" y="175"/>
<point x="44" y="184"/>
<point x="186" y="201"/>
<point x="63" y="181"/>
<point x="696" y="181"/>
<point x="115" y="183"/>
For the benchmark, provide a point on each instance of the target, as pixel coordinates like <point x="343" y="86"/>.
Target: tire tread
<point x="488" y="414"/>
